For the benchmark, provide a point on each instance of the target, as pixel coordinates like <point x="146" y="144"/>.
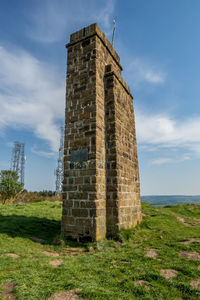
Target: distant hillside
<point x="170" y="200"/>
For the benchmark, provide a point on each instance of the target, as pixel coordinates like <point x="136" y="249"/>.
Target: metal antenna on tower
<point x="59" y="172"/>
<point x="18" y="160"/>
<point x="114" y="29"/>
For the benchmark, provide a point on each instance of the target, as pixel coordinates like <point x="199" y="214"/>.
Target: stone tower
<point x="101" y="189"/>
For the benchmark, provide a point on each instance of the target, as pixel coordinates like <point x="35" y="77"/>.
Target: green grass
<point x="109" y="271"/>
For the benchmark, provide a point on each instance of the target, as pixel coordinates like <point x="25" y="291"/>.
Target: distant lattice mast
<point x="18" y="160"/>
<point x="60" y="166"/>
<point x="22" y="163"/>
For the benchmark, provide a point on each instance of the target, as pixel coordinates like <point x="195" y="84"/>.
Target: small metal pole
<point x="114" y="22"/>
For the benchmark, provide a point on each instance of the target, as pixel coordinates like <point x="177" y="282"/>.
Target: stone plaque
<point x="78" y="156"/>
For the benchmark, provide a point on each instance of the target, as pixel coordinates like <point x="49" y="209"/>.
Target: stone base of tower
<point x="101" y="189"/>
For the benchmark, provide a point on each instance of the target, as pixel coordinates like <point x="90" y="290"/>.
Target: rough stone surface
<point x="101" y="188"/>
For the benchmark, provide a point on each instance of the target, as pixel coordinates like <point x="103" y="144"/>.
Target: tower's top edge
<point x="91" y="30"/>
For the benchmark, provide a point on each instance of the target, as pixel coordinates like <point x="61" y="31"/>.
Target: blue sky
<point x="159" y="44"/>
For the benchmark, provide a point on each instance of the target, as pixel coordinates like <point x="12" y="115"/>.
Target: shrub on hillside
<point x="9" y="185"/>
<point x="47" y="193"/>
<point x="30" y="197"/>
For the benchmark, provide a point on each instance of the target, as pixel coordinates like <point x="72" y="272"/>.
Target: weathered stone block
<point x="101" y="192"/>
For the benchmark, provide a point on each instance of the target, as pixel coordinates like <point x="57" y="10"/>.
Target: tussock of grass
<point x="111" y="269"/>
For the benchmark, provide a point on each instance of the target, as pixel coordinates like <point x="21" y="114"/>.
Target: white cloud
<point x="105" y="17"/>
<point x="163" y="131"/>
<point x="161" y="161"/>
<point x="32" y="95"/>
<point x="139" y="71"/>
<point x="52" y="21"/>
<point x="42" y="153"/>
<point x="166" y="160"/>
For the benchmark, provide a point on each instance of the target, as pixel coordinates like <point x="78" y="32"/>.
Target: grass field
<point x="159" y="259"/>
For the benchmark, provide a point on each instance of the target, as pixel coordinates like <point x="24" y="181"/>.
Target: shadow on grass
<point x="41" y="230"/>
<point x="29" y="227"/>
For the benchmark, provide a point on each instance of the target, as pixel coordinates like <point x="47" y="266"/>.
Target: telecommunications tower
<point x="59" y="172"/>
<point x="18" y="160"/>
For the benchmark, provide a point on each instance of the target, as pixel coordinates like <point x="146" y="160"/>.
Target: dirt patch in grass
<point x="195" y="283"/>
<point x="37" y="240"/>
<point x="118" y="243"/>
<point x="7" y="293"/>
<point x="191" y="241"/>
<point x="153" y="253"/>
<point x="190" y="255"/>
<point x="142" y="283"/>
<point x="168" y="273"/>
<point x="198" y="267"/>
<point x="135" y="245"/>
<point x="66" y="295"/>
<point x="195" y="205"/>
<point x="197" y="220"/>
<point x="75" y="252"/>
<point x="13" y="255"/>
<point x="144" y="215"/>
<point x="76" y="249"/>
<point x="56" y="263"/>
<point x="52" y="254"/>
<point x="181" y="219"/>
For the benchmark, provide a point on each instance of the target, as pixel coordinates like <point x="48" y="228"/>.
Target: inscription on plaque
<point x="78" y="156"/>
